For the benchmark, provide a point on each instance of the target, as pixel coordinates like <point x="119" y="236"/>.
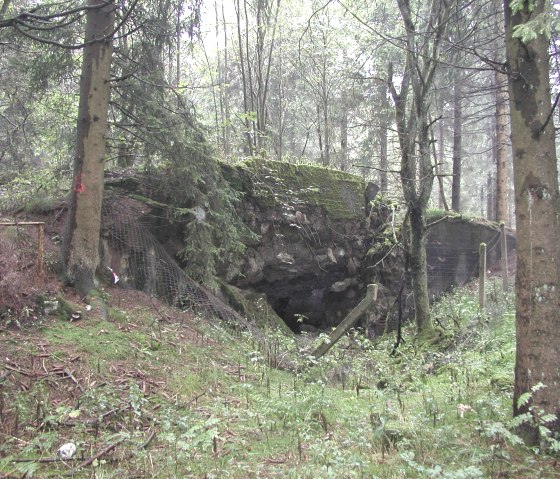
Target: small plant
<point x="536" y="419"/>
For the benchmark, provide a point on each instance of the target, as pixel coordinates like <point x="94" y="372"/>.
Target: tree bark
<point x="490" y="200"/>
<point x="80" y="253"/>
<point x="439" y="163"/>
<point x="325" y="110"/>
<point x="419" y="268"/>
<point x="538" y="232"/>
<point x="248" y="144"/>
<point x="225" y="89"/>
<point x="344" y="135"/>
<point x="457" y="140"/>
<point x="411" y="115"/>
<point x="501" y="148"/>
<point x="382" y="136"/>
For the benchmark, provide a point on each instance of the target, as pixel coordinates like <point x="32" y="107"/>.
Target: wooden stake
<point x="482" y="277"/>
<point x="348" y="321"/>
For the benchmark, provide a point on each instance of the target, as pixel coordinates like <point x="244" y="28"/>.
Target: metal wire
<point x="145" y="265"/>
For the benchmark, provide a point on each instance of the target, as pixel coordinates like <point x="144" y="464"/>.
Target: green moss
<point x="434" y="338"/>
<point x="272" y="183"/>
<point x="435" y="214"/>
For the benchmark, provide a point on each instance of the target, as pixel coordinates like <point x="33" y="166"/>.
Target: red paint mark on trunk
<point x="78" y="185"/>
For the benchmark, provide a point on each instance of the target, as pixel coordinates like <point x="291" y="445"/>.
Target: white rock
<point x="67" y="451"/>
<point x="285" y="258"/>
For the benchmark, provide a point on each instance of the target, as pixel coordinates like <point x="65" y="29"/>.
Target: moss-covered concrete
<point x="272" y="183"/>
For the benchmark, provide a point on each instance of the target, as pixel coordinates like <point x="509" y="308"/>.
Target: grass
<point x="183" y="397"/>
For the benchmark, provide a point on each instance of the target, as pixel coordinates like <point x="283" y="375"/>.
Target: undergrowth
<point x="144" y="396"/>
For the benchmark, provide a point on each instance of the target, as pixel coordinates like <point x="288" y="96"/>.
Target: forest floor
<point x="144" y="390"/>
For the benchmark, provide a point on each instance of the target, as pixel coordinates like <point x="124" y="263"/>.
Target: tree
<point x="321" y="77"/>
<point x="255" y="63"/>
<point x="457" y="139"/>
<point x="80" y="254"/>
<point x="382" y="130"/>
<point x="536" y="204"/>
<point x="501" y="142"/>
<point x="412" y="106"/>
<point x="36" y="67"/>
<point x="501" y="148"/>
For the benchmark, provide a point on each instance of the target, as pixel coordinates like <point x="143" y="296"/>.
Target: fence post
<point x="348" y="321"/>
<point x="504" y="253"/>
<point x="482" y="276"/>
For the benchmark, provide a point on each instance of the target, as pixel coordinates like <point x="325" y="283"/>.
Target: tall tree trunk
<point x="267" y="22"/>
<point x="419" y="268"/>
<point x="442" y="202"/>
<point x="245" y="80"/>
<point x="457" y="140"/>
<point x="416" y="180"/>
<point x="80" y="253"/>
<point x="325" y="110"/>
<point x="279" y="147"/>
<point x="439" y="161"/>
<point x="382" y="136"/>
<point x="221" y="124"/>
<point x="320" y="136"/>
<point x="225" y="89"/>
<point x="490" y="198"/>
<point x="344" y="136"/>
<point x="411" y="115"/>
<point x="178" y="32"/>
<point x="501" y="148"/>
<point x="260" y="103"/>
<point x="326" y="135"/>
<point x="251" y="111"/>
<point x="538" y="232"/>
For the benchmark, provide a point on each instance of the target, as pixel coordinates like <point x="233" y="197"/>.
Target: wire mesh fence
<point x="137" y="260"/>
<point x="18" y="247"/>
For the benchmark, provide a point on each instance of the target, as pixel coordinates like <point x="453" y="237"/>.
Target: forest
<point x="174" y="138"/>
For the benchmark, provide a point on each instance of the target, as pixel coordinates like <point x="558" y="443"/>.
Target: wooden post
<point x="348" y="321"/>
<point x="504" y="257"/>
<point x="482" y="277"/>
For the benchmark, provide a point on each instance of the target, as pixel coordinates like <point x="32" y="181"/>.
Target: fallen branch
<point x="196" y="398"/>
<point x="142" y="446"/>
<point x="44" y="460"/>
<point x="96" y="421"/>
<point x="433" y="223"/>
<point x="89" y="461"/>
<point x="148" y="440"/>
<point x="71" y="376"/>
<point x="20" y="371"/>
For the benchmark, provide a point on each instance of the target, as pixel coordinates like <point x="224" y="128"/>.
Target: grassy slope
<point x="218" y="410"/>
